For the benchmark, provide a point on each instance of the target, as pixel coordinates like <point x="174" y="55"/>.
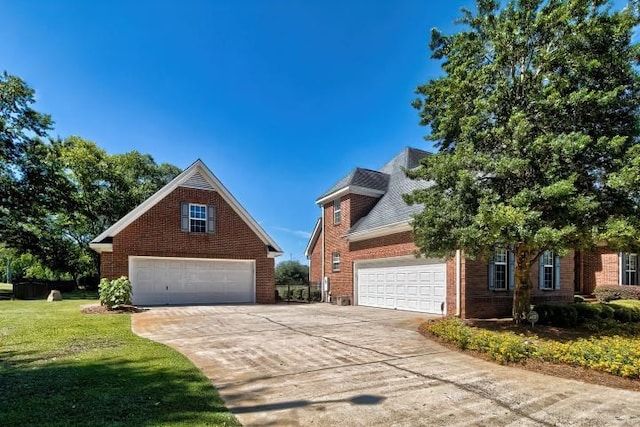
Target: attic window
<point x="197" y="218"/>
<point x="337" y="210"/>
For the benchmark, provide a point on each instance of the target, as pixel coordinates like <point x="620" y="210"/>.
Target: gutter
<point x="458" y="282"/>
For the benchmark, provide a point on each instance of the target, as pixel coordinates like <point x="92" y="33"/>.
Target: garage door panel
<point x="158" y="281"/>
<point x="402" y="284"/>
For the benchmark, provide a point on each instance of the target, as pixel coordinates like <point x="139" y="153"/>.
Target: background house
<point x="191" y="242"/>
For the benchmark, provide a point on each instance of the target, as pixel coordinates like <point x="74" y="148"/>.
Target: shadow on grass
<point x="109" y="393"/>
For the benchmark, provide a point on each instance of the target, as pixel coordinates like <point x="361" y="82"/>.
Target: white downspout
<point x="324" y="296"/>
<point x="458" y="282"/>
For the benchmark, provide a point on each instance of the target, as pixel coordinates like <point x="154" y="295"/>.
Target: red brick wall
<point x="599" y="267"/>
<point x="315" y="261"/>
<point x="340" y="282"/>
<point x="480" y="302"/>
<point x="359" y="206"/>
<point x="451" y="286"/>
<point x="157" y="233"/>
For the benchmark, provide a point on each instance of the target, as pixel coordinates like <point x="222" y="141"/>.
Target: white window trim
<point x="335" y="261"/>
<point x="506" y="270"/>
<point x="337" y="213"/>
<point x="199" y="205"/>
<point x="552" y="266"/>
<point x="626" y="272"/>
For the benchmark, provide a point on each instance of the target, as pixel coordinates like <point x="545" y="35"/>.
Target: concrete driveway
<point x="323" y="365"/>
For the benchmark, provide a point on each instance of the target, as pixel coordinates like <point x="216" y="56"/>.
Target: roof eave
<point x="384" y="230"/>
<point x="101" y="247"/>
<point x="314" y="238"/>
<point x="350" y="189"/>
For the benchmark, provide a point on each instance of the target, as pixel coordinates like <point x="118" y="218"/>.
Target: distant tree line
<point x="59" y="193"/>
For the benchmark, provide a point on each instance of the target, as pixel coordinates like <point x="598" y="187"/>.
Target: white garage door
<point x="158" y="281"/>
<point x="416" y="285"/>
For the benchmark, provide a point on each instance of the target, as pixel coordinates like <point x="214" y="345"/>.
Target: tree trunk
<point x="522" y="285"/>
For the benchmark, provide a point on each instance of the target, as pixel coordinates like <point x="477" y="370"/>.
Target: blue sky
<point x="280" y="98"/>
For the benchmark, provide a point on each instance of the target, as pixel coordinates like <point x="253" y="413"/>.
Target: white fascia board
<point x="101" y="247"/>
<point x="385" y="230"/>
<point x="271" y="254"/>
<point x="314" y="237"/>
<point x="175" y="183"/>
<point x="350" y="189"/>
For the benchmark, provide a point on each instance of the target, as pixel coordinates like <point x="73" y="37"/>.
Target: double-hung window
<point x="629" y="269"/>
<point x="549" y="271"/>
<point x="337" y="211"/>
<point x="499" y="279"/>
<point x="197" y="218"/>
<point x="335" y="261"/>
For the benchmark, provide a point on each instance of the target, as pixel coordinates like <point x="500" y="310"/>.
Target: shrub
<point x="614" y="292"/>
<point x="562" y="315"/>
<point x="616" y="355"/>
<point x="115" y="292"/>
<point x="502" y="347"/>
<point x="624" y="313"/>
<point x="587" y="312"/>
<point x="316" y="296"/>
<point x="579" y="299"/>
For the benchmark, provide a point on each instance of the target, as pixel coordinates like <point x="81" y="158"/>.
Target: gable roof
<point x="197" y="175"/>
<point x="391" y="214"/>
<point x="317" y="230"/>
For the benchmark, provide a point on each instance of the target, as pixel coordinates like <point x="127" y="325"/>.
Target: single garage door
<point x="159" y="281"/>
<point x="416" y="285"/>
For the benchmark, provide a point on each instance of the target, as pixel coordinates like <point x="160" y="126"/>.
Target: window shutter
<point x="491" y="274"/>
<point x="623" y="266"/>
<point x="541" y="271"/>
<point x="512" y="269"/>
<point x="184" y="216"/>
<point x="211" y="219"/>
<point x="556" y="272"/>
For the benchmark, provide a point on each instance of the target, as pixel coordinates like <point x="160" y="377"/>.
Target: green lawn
<point x="629" y="303"/>
<point x="59" y="367"/>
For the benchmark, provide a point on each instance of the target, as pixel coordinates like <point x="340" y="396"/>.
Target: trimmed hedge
<point x="614" y="292"/>
<point x="572" y="315"/>
<point x="625" y="314"/>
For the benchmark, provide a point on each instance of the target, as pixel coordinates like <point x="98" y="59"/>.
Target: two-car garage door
<point x="405" y="284"/>
<point x="159" y="281"/>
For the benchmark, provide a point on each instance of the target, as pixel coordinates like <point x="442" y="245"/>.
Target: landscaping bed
<point x="609" y="357"/>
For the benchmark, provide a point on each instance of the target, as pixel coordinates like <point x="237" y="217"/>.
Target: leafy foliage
<point x="535" y="119"/>
<point x="617" y="355"/>
<point x="115" y="292"/>
<point x="59" y="194"/>
<point x="292" y="273"/>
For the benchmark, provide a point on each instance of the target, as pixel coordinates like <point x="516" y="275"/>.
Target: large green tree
<point x="59" y="194"/>
<point x="535" y="121"/>
<point x="292" y="273"/>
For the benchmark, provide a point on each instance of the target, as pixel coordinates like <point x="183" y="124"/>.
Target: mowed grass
<point x="59" y="367"/>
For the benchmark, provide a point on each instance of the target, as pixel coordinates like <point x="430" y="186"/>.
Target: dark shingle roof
<point x="360" y="177"/>
<point x="391" y="208"/>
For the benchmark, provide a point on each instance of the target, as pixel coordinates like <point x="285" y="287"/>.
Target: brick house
<point x="604" y="266"/>
<point x="362" y="244"/>
<point x="190" y="242"/>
